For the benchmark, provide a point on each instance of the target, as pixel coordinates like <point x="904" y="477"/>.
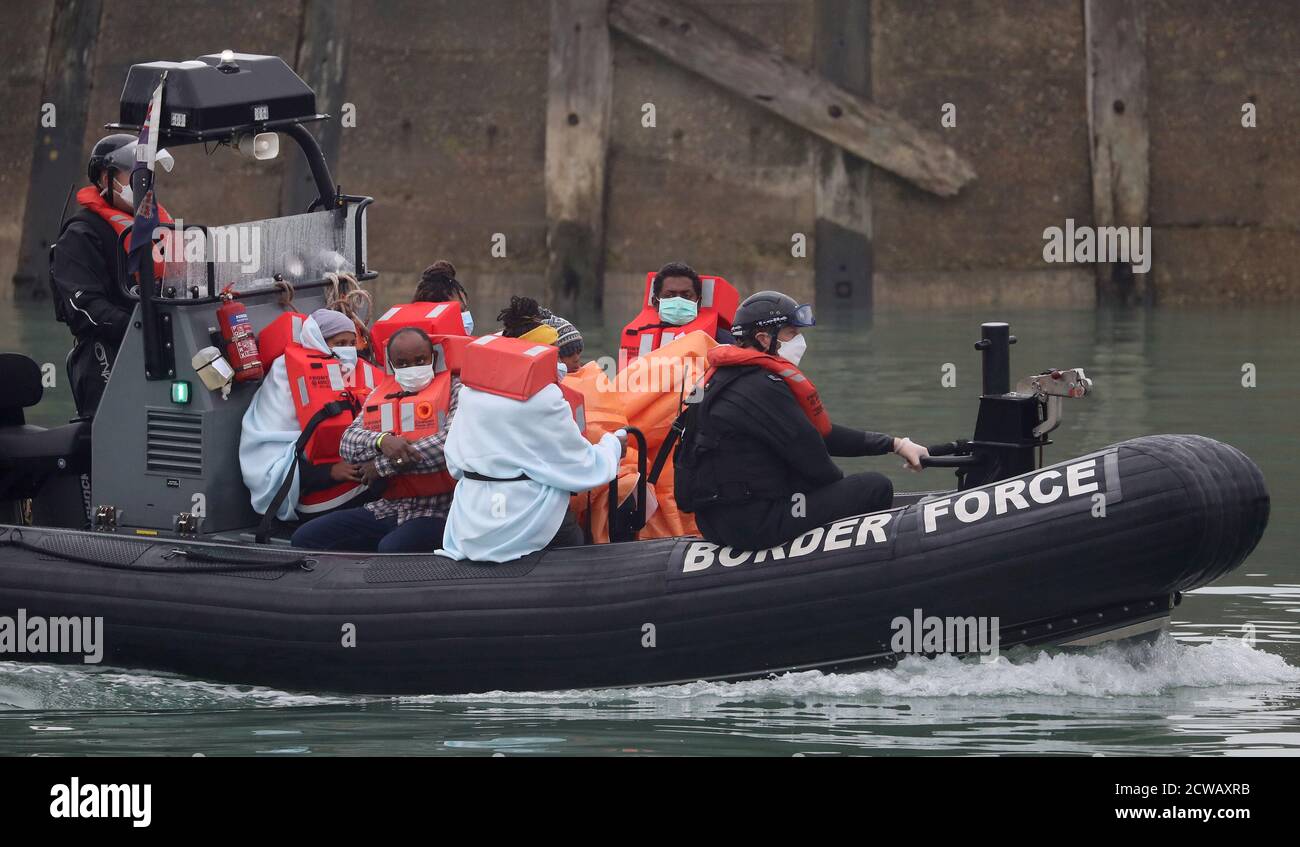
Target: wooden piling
<point x="1118" y="134"/>
<point x="322" y="62"/>
<point x="749" y="67"/>
<point x="578" y="97"/>
<point x="58" y="160"/>
<point x="842" y="235"/>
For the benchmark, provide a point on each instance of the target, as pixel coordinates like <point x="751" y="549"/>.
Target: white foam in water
<point x="1110" y="671"/>
<point x="1140" y="670"/>
<point x="71" y="687"/>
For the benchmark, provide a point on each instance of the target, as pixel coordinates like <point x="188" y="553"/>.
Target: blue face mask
<point x="346" y="355"/>
<point x="678" y="311"/>
<point x="468" y="320"/>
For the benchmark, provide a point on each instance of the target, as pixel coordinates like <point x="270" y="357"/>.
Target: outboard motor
<point x="1012" y="427"/>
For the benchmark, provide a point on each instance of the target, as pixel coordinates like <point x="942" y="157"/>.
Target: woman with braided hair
<point x="525" y="319"/>
<point x="438" y="284"/>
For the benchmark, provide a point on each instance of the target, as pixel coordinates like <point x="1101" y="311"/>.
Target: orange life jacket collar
<point x="90" y="198"/>
<point x="731" y="356"/>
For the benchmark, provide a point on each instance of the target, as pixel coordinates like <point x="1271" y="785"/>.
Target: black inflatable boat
<point x="138" y="547"/>
<point x="1181" y="510"/>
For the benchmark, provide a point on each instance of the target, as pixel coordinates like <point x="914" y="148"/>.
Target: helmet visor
<point x="802" y="316"/>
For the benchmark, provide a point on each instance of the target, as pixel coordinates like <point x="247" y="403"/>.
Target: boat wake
<point x="1113" y="670"/>
<point x="1116" y="670"/>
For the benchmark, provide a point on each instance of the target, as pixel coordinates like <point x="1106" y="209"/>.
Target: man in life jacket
<point x="85" y="276"/>
<point x="518" y="453"/>
<point x="398" y="437"/>
<point x="755" y="463"/>
<point x="319" y="369"/>
<point x="676" y="298"/>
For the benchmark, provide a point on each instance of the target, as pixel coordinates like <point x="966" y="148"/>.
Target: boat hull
<point x="1103" y="543"/>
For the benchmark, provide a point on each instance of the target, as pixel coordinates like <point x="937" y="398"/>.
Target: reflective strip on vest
<point x="581" y="418"/>
<point x="335" y="372"/>
<point x="303" y="396"/>
<point x="296" y="322"/>
<point x="389" y="313"/>
<point x="646" y="341"/>
<point x="370" y="376"/>
<point x="706" y="292"/>
<point x="386" y="417"/>
<point x="408" y="417"/>
<point x="665" y="338"/>
<point x="442" y="420"/>
<point x="437" y="310"/>
<point x="440" y="359"/>
<point x="793" y="376"/>
<point x="540" y="348"/>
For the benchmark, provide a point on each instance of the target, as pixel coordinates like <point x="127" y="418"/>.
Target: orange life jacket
<point x="286" y="329"/>
<point x="90" y="198"/>
<point x="316" y="379"/>
<point x="577" y="404"/>
<point x="718" y="303"/>
<point x="412" y="416"/>
<point x="518" y="369"/>
<point x="730" y="356"/>
<point x="432" y="318"/>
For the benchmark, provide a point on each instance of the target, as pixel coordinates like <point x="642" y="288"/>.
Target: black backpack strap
<point x="670" y="441"/>
<point x="684" y="421"/>
<point x="326" y="412"/>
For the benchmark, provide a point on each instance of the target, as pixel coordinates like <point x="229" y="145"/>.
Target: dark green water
<point x="1226" y="680"/>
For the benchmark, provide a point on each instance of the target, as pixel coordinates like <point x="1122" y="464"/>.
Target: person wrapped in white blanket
<point x="517" y="462"/>
<point x="271" y="427"/>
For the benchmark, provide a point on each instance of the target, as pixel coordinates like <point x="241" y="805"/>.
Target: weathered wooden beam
<point x="1120" y="140"/>
<point x="842" y="232"/>
<point x="323" y="48"/>
<point x="747" y="66"/>
<point x="58" y="160"/>
<point x="579" y="89"/>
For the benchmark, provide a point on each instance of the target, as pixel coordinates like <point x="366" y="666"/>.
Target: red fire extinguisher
<point x="237" y="332"/>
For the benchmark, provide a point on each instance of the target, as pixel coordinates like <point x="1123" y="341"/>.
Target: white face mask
<point x="414" y="378"/>
<point x="346" y="355"/>
<point x="468" y="320"/>
<point x="792" y="351"/>
<point x="128" y="196"/>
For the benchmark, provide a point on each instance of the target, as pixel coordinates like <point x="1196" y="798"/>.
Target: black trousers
<point x="89" y="366"/>
<point x="569" y="534"/>
<point x="760" y="524"/>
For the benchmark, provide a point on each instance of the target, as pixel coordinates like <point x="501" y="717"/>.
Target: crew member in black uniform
<point x="754" y="463"/>
<point x="84" y="267"/>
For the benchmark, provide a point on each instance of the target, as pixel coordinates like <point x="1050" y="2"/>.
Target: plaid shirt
<point x="358" y="446"/>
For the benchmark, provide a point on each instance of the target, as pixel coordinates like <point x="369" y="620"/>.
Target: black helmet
<point x="114" y="152"/>
<point x="768" y="311"/>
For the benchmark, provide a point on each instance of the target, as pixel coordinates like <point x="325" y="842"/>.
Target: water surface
<point x="1224" y="681"/>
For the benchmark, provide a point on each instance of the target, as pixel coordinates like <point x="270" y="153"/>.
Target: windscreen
<point x="302" y="248"/>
